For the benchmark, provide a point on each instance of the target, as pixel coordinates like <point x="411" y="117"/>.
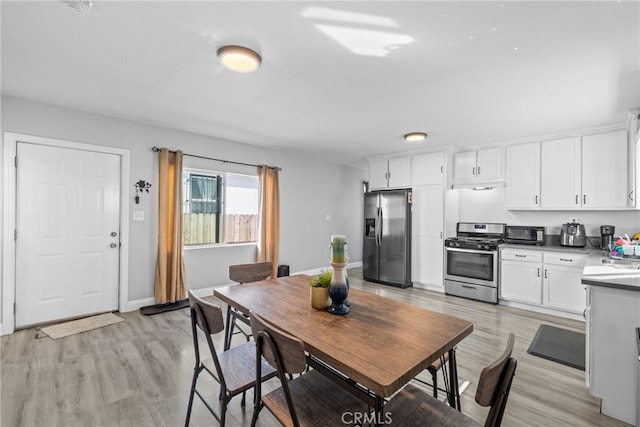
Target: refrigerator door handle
<point x="379" y="227"/>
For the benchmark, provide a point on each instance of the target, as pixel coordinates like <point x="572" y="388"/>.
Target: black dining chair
<point x="310" y="399"/>
<point x="234" y="369"/>
<point x="244" y="273"/>
<point x="412" y="406"/>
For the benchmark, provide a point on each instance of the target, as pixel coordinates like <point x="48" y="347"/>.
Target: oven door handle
<point x="474" y="251"/>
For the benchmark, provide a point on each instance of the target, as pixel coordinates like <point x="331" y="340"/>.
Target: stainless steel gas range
<point x="471" y="261"/>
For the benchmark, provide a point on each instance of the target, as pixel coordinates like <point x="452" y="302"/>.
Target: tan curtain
<point x="170" y="280"/>
<point x="269" y="241"/>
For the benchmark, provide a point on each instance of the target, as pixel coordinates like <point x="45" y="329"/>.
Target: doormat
<point x="73" y="327"/>
<point x="161" y="308"/>
<point x="559" y="345"/>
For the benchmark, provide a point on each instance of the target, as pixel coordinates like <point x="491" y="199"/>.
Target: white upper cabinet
<point x="560" y="174"/>
<point x="523" y="176"/>
<point x="478" y="167"/>
<point x="394" y="172"/>
<point x="588" y="172"/>
<point x="428" y="169"/>
<point x="604" y="170"/>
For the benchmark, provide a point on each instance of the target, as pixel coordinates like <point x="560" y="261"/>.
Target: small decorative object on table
<point x="319" y="289"/>
<point x="338" y="291"/>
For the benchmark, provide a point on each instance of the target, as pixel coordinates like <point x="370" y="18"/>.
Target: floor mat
<point x="161" y="308"/>
<point x="73" y="327"/>
<point x="559" y="345"/>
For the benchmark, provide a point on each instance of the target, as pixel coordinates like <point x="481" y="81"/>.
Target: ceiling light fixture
<point x="415" y="136"/>
<point x="240" y="59"/>
<point x="79" y="5"/>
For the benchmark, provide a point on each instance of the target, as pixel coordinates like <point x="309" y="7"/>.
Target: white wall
<point x="489" y="206"/>
<point x="310" y="190"/>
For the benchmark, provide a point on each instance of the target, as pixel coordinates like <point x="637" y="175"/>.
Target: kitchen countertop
<point x="618" y="276"/>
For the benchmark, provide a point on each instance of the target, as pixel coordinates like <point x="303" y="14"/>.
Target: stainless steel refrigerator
<point x="386" y="255"/>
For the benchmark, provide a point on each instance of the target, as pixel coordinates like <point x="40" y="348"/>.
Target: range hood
<point x="478" y="184"/>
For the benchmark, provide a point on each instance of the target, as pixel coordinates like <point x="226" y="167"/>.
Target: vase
<point x="320" y="298"/>
<point x="338" y="290"/>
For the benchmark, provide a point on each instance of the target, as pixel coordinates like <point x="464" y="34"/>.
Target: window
<point x="219" y="208"/>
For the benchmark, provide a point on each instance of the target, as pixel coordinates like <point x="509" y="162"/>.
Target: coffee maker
<point x="606" y="236"/>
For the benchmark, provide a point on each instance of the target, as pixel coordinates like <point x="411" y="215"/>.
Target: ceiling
<point x="339" y="80"/>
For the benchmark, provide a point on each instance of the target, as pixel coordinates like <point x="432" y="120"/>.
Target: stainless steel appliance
<point x="386" y="254"/>
<point x="606" y="236"/>
<point x="573" y="234"/>
<point x="471" y="261"/>
<point x="524" y="235"/>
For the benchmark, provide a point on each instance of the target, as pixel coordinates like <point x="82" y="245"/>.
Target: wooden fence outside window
<point x="200" y="228"/>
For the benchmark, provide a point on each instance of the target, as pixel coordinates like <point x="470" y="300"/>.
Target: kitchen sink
<point x="623" y="263"/>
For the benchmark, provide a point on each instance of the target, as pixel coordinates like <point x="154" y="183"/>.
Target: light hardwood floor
<point x="138" y="372"/>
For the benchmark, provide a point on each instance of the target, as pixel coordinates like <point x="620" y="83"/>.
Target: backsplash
<point x="489" y="206"/>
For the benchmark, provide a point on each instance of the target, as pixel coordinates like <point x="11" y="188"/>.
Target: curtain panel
<point x="269" y="206"/>
<point x="170" y="284"/>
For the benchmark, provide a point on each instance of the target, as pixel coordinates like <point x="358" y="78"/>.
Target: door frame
<point x="9" y="221"/>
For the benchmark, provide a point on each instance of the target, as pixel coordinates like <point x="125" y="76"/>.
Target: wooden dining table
<point x="375" y="349"/>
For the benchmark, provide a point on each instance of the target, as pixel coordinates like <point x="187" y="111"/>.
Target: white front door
<point x="68" y="233"/>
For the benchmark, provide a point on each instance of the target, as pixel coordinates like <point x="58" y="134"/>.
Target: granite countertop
<point x="620" y="274"/>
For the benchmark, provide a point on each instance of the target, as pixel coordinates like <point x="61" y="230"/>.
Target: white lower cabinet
<point x="520" y="276"/>
<point x="543" y="278"/>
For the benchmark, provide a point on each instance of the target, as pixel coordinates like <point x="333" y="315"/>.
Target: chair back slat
<point x="491" y="376"/>
<point x="494" y="417"/>
<point x="252" y="272"/>
<point x="290" y="349"/>
<point x="211" y="314"/>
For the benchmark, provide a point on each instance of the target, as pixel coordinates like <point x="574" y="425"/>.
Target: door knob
<point x="114" y="234"/>
<point x="113" y="245"/>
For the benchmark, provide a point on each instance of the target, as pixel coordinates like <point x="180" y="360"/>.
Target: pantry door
<point x="67" y="233"/>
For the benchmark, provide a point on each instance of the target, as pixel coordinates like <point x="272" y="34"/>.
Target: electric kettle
<point x="573" y="234"/>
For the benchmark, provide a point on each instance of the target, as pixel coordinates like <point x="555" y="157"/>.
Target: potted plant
<point x="320" y="290"/>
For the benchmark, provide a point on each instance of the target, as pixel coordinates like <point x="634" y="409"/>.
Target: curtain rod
<point x="156" y="149"/>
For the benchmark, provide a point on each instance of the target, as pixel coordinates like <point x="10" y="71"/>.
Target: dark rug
<point x="161" y="308"/>
<point x="559" y="345"/>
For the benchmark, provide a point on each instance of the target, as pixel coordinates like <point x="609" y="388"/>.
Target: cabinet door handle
<point x="631" y="195"/>
<point x="545" y="273"/>
<point x="441" y="235"/>
<point x="584" y="199"/>
<point x="473" y="171"/>
<point x="478" y="170"/>
<point x="441" y="169"/>
<point x="577" y="199"/>
<point x="536" y="200"/>
<point x="566" y="260"/>
<point x="521" y="256"/>
<point x="538" y="271"/>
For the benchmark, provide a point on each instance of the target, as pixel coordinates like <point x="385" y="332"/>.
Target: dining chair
<point x="234" y="369"/>
<point x="412" y="406"/>
<point x="244" y="273"/>
<point x="310" y="399"/>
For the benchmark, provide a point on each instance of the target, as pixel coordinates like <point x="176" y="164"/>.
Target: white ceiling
<point x="342" y="80"/>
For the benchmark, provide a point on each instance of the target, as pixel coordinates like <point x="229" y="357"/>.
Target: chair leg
<point x="256" y="411"/>
<point x="223" y="410"/>
<point x="434" y="381"/>
<point x="196" y="372"/>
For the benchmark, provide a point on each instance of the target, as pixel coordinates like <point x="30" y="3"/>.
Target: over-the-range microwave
<point x="524" y="235"/>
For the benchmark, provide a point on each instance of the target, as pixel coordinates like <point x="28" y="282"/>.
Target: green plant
<point x="322" y="280"/>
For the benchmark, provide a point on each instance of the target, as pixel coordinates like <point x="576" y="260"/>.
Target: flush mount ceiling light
<point x="240" y="59"/>
<point x="415" y="136"/>
<point x="79" y="5"/>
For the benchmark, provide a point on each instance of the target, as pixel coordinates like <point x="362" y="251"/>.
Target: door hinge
<point x="15" y="234"/>
<point x="14" y="308"/>
<point x="15" y="161"/>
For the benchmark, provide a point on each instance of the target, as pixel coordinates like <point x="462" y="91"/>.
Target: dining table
<point x="372" y="351"/>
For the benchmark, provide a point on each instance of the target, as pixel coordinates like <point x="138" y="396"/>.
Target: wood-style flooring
<point x="138" y="372"/>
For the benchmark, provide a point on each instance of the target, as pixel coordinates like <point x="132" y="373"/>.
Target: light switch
<point x="138" y="215"/>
